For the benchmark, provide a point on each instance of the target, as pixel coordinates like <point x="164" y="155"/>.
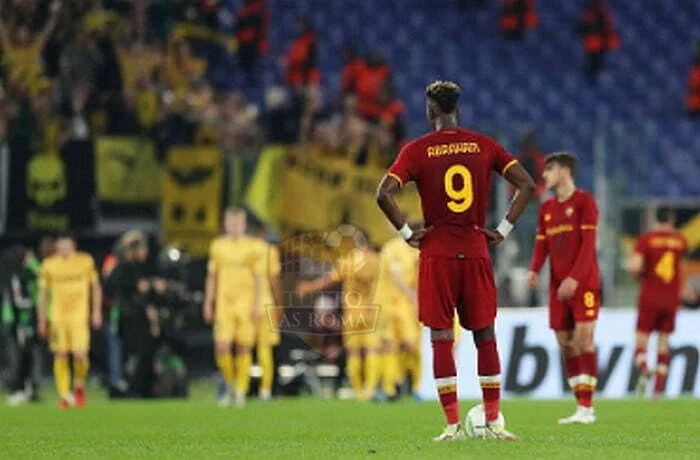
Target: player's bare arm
<point x="317" y="285"/>
<point x="525" y="185"/>
<point x="96" y="318"/>
<point x="209" y="290"/>
<point x="41" y="312"/>
<point x="388" y="188"/>
<point x="635" y="264"/>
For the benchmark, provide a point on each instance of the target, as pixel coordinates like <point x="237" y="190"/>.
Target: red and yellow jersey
<point x="396" y="256"/>
<point x="234" y="262"/>
<point x="662" y="252"/>
<point x="566" y="232"/>
<point x="357" y="270"/>
<point x="452" y="169"/>
<point x="68" y="281"/>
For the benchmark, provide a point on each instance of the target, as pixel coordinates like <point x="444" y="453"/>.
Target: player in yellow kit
<point x="396" y="296"/>
<point x="267" y="335"/>
<point x="70" y="279"/>
<point x="232" y="302"/>
<point x="357" y="270"/>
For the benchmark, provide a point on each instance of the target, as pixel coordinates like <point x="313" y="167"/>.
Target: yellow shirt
<point x="270" y="269"/>
<point x="69" y="281"/>
<point x="23" y="63"/>
<point x="396" y="255"/>
<point x="234" y="262"/>
<point x="357" y="270"/>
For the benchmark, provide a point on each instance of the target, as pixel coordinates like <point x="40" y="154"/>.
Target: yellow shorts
<point x="70" y="337"/>
<point x="267" y="330"/>
<point x="402" y="328"/>
<point x="234" y="328"/>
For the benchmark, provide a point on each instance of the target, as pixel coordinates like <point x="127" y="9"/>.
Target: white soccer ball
<point x="475" y="421"/>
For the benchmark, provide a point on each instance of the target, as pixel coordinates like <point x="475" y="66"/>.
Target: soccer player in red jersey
<point x="452" y="168"/>
<point x="566" y="232"/>
<point x="657" y="260"/>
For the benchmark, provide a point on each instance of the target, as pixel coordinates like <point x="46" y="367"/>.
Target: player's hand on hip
<point x="492" y="236"/>
<point x="256" y="315"/>
<point x="567" y="288"/>
<point x="417" y="236"/>
<point x="533" y="280"/>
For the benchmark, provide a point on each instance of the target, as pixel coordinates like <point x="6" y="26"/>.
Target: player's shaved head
<point x="444" y="94"/>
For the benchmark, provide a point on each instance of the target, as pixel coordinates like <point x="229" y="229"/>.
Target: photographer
<point x="129" y="285"/>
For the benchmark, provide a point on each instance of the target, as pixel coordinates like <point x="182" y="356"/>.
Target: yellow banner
<point x="315" y="194"/>
<point x="126" y="170"/>
<point x="192" y="189"/>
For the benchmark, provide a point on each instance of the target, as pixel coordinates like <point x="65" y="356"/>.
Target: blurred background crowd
<point x="158" y="114"/>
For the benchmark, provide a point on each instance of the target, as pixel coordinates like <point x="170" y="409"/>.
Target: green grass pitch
<point x="309" y="428"/>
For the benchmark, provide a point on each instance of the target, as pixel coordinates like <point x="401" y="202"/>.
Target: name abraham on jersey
<point x="661" y="242"/>
<point x="560" y="229"/>
<point x="452" y="149"/>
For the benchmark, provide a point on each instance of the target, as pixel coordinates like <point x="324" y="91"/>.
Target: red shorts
<point x="449" y="284"/>
<point x="650" y="319"/>
<point x="582" y="307"/>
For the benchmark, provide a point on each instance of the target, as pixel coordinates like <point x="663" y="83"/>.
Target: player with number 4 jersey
<point x="656" y="259"/>
<point x="452" y="168"/>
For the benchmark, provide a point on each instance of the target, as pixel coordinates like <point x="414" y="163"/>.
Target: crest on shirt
<point x="547" y="217"/>
<point x="569" y="211"/>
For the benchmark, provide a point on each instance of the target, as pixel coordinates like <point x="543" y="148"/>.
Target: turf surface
<point x="308" y="428"/>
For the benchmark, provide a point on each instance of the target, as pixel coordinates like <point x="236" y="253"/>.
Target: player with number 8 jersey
<point x="452" y="168"/>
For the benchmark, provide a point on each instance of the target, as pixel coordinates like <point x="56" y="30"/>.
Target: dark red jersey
<point x="452" y="169"/>
<point x="566" y="232"/>
<point x="662" y="251"/>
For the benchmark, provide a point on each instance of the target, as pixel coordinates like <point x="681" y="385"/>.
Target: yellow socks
<point x="266" y="362"/>
<point x="390" y="372"/>
<point x="243" y="362"/>
<point x="224" y="361"/>
<point x="353" y="367"/>
<point x="80" y="371"/>
<point x="61" y="375"/>
<point x="372" y="373"/>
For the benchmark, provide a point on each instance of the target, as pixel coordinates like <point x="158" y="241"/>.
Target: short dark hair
<point x="445" y="94"/>
<point x="664" y="214"/>
<point x="566" y="159"/>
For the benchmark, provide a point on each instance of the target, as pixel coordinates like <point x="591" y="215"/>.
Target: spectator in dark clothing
<point x="251" y="32"/>
<point x="352" y="69"/>
<point x="281" y="118"/>
<point x="532" y="159"/>
<point x="301" y="61"/>
<point x="693" y="99"/>
<point x="516" y="17"/>
<point x="599" y="36"/>
<point x="371" y="79"/>
<point x="129" y="285"/>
